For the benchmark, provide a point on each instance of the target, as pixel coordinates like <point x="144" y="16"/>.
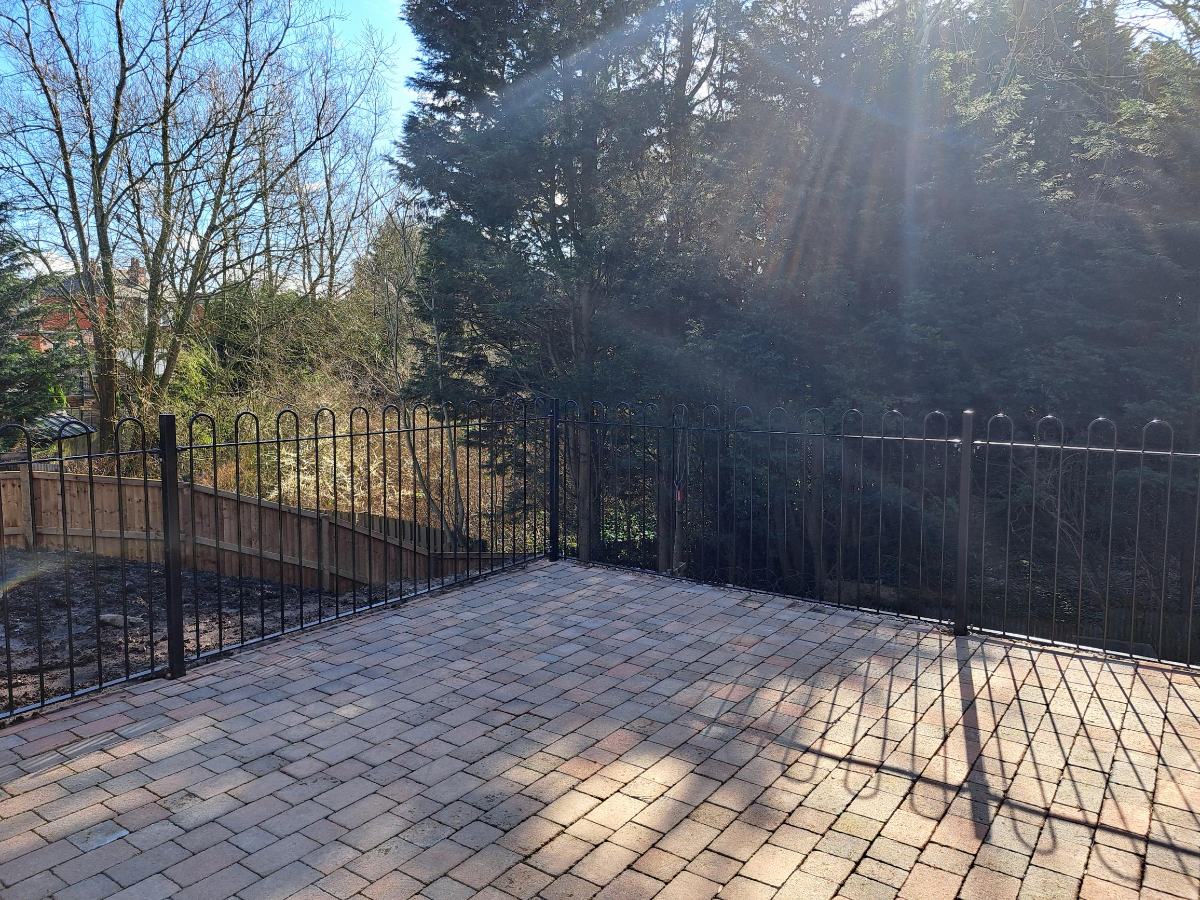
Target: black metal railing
<point x="162" y="551"/>
<point x="156" y="554"/>
<point x="82" y="591"/>
<point x="1076" y="540"/>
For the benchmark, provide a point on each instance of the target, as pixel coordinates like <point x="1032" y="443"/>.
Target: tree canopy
<point x="988" y="204"/>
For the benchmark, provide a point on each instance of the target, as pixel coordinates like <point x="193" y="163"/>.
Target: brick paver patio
<point x="574" y="732"/>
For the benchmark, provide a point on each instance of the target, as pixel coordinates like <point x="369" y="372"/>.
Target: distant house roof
<point x="130" y="283"/>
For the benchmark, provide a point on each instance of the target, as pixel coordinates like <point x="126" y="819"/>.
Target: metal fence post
<point x="966" y="450"/>
<point x="554" y="463"/>
<point x="172" y="543"/>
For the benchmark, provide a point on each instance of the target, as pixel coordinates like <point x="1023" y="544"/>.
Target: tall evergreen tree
<point x="987" y="204"/>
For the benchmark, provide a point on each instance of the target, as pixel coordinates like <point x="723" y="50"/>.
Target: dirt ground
<point x="109" y="618"/>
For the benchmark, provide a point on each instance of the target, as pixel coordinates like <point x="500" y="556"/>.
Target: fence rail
<point x="138" y="560"/>
<point x="1085" y="542"/>
<point x="146" y="557"/>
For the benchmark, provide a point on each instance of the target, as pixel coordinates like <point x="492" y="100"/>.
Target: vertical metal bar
<point x="299" y="516"/>
<point x="524" y="481"/>
<point x="478" y="483"/>
<point x="899" y="514"/>
<point x="492" y="485"/>
<point x="721" y="435"/>
<point x="172" y="546"/>
<point x="260" y="537"/>
<point x="402" y="435"/>
<point x="443" y="435"/>
<point x="68" y="587"/>
<point x="1191" y="581"/>
<point x="1083" y="524"/>
<point x="428" y="508"/>
<point x="1162" y="590"/>
<point x="554" y="488"/>
<point x="237" y="507"/>
<point x="279" y="519"/>
<point x="1057" y="538"/>
<point x="150" y="579"/>
<point x="384" y="526"/>
<point x="121" y="527"/>
<point x="921" y="519"/>
<point x="91" y="477"/>
<point x="191" y="534"/>
<point x="858" y="518"/>
<point x="4" y="616"/>
<point x="218" y="534"/>
<point x="819" y="569"/>
<point x="945" y="504"/>
<point x="321" y="528"/>
<point x="965" y="448"/>
<point x="841" y="523"/>
<point x="39" y="626"/>
<point x="1137" y="541"/>
<point x="353" y="521"/>
<point x="750" y="513"/>
<point x="646" y="477"/>
<point x="334" y="527"/>
<point x="983" y="523"/>
<point x="370" y="512"/>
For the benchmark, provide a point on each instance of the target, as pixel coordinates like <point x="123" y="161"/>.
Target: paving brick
<point x="925" y="881"/>
<point x="570" y="732"/>
<point x="630" y="885"/>
<point x="156" y="887"/>
<point x="772" y="865"/>
<point x="284" y="883"/>
<point x="985" y="884"/>
<point x="434" y="862"/>
<point x="40" y="885"/>
<point x="36" y="861"/>
<point x="279" y="854"/>
<point x="1042" y="884"/>
<point x="604" y="863"/>
<point x="689" y="886"/>
<point x="740" y="841"/>
<point x="204" y="863"/>
<point x="144" y="865"/>
<point x="224" y="883"/>
<point x="93" y="888"/>
<point x="558" y="855"/>
<point x="521" y="881"/>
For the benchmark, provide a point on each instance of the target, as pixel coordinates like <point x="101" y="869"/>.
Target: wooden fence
<point x="224" y="532"/>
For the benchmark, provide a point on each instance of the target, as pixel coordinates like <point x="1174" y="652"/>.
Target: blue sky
<point x="384" y="16"/>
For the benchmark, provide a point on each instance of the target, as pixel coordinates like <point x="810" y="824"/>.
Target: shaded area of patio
<point x="565" y="731"/>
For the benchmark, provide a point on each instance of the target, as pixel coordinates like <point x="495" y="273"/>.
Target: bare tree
<point x="181" y="132"/>
<point x="387" y="277"/>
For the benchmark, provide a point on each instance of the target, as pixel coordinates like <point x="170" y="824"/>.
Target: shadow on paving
<point x="567" y="731"/>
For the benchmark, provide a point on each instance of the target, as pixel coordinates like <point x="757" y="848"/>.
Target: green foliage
<point x="31" y="380"/>
<point x="192" y="386"/>
<point x="798" y="202"/>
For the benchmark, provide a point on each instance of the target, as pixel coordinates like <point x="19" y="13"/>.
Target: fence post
<point x="172" y="544"/>
<point x="966" y="450"/>
<point x="28" y="489"/>
<point x="554" y="463"/>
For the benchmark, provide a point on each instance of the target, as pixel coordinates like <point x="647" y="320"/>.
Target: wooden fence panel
<point x="222" y="532"/>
